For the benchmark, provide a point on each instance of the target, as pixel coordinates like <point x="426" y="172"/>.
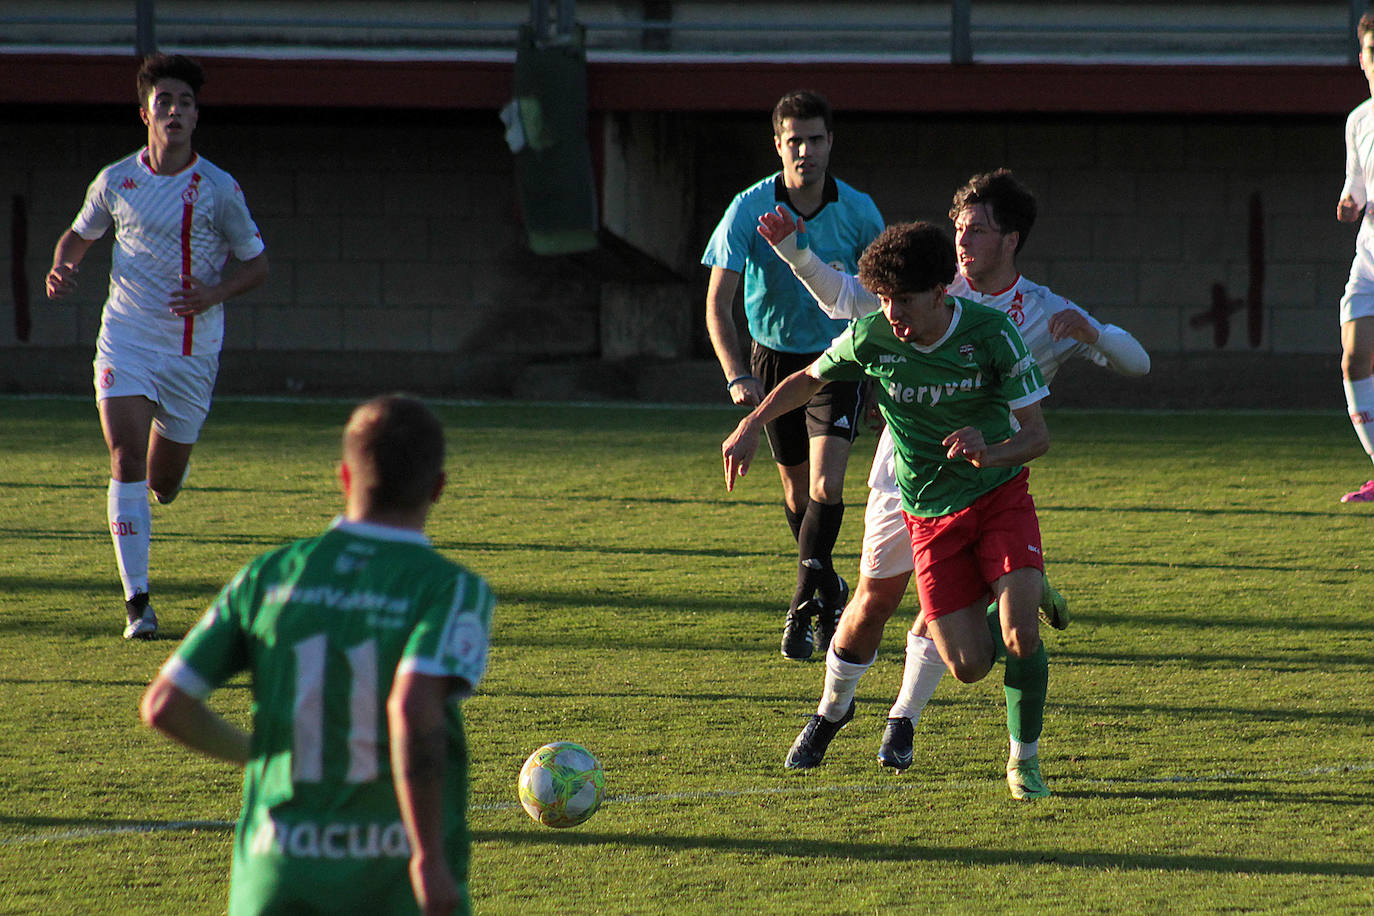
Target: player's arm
<point x="419" y="749"/>
<point x="66" y="260"/>
<point x="195" y="297"/>
<point x="1123" y="353"/>
<point x="737" y="451"/>
<point x="720" y="325"/>
<point x="838" y="294"/>
<point x="1353" y="195"/>
<point x="182" y="717"/>
<point x="1030" y="441"/>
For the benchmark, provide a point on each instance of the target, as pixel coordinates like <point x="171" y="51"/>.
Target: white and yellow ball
<point x="561" y="784"/>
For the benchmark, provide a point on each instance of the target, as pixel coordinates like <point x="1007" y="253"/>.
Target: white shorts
<point x="887" y="543"/>
<point x="1358" y="300"/>
<point x="180" y="386"/>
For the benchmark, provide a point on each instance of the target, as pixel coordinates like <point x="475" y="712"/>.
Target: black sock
<point x="815" y="544"/>
<point x="794" y="518"/>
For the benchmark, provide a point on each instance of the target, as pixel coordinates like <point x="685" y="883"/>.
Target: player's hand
<point x="1347" y="211"/>
<point x="778" y="225"/>
<point x="61" y="280"/>
<point x="193" y="298"/>
<point x="873" y="417"/>
<point x="435" y="890"/>
<point x="1072" y="323"/>
<point x="737" y="451"/>
<point x="747" y="392"/>
<point x="967" y="443"/>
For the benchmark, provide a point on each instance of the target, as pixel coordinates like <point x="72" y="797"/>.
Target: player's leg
<point x="883" y="576"/>
<point x="168" y="462"/>
<point x="1025" y="678"/>
<point x="832" y="423"/>
<point x="819" y="531"/>
<point x="1010" y="554"/>
<point x="797" y="643"/>
<point x="185" y="388"/>
<point x="1054" y="607"/>
<point x="126" y="421"/>
<point x="787" y="440"/>
<point x="1357" y="373"/>
<point x="953" y="591"/>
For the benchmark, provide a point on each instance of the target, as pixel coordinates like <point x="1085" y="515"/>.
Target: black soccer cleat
<point x="796" y="633"/>
<point x="896" y="751"/>
<point x="828" y="617"/>
<point x="809" y="749"/>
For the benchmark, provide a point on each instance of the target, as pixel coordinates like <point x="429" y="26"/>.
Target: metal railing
<point x="956" y="32"/>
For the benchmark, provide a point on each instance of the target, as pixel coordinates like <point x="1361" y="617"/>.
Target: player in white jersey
<point x="1357" y="305"/>
<point x="993" y="214"/>
<point x="177" y="220"/>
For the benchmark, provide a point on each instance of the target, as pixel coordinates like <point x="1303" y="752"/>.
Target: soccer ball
<point x="561" y="784"/>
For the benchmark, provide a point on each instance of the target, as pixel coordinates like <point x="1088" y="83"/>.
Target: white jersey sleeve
<point x="1358" y="141"/>
<point x="840" y="295"/>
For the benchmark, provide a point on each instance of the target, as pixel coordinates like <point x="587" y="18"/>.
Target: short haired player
<point x="177" y="219"/>
<point x="811" y="444"/>
<point x="359" y="642"/>
<point x="1357" y="304"/>
<point x="993" y="214"/>
<point x="960" y="393"/>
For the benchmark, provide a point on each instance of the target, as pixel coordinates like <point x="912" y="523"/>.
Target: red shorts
<point x="959" y="555"/>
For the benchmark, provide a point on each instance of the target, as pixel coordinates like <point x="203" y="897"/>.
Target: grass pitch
<point x="1207" y="736"/>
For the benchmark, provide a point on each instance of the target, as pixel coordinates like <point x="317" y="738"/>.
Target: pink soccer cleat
<point x="1364" y="494"/>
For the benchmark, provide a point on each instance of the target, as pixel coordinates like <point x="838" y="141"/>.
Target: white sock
<point x="1359" y="401"/>
<point x="131" y="519"/>
<point x="1023" y="750"/>
<point x="921" y="675"/>
<point x="841" y="680"/>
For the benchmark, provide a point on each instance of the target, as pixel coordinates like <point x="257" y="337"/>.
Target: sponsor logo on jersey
<point x="884" y="358"/>
<point x="107" y="377"/>
<point x="932" y="394"/>
<point x="334" y="840"/>
<point x="192" y="192"/>
<point x="842" y="423"/>
<point x="129" y="185"/>
<point x="966" y="351"/>
<point x="388" y="610"/>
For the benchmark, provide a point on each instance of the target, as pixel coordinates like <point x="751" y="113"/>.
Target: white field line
<point x="797" y="787"/>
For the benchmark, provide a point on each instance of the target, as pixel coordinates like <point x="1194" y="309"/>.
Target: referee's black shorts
<point x="832" y="411"/>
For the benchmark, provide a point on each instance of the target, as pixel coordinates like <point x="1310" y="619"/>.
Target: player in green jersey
<point x="960" y="392"/>
<point x="359" y="643"/>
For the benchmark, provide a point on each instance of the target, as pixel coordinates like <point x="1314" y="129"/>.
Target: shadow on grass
<point x="797" y="848"/>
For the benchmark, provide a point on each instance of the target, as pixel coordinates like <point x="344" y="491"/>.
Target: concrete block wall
<point x="395" y="243"/>
<point x="1139" y="218"/>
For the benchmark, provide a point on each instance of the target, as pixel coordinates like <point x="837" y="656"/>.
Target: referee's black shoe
<point x="796" y="632"/>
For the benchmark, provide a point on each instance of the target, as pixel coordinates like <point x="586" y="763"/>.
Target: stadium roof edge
<point x="870" y="84"/>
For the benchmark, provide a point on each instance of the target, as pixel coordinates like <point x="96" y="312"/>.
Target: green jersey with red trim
<point x="974" y="375"/>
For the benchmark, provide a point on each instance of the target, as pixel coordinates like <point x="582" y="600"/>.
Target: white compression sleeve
<point x="837" y="293"/>
<point x="1124" y="353"/>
